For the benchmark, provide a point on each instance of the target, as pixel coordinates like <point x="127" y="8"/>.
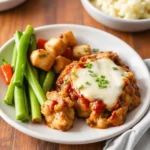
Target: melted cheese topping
<point x="84" y="79"/>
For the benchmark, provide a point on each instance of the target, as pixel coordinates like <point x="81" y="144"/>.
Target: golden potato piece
<point x="58" y="111"/>
<point x="55" y="46"/>
<point x="60" y="63"/>
<point x="69" y="39"/>
<point x="81" y="50"/>
<point x="42" y="59"/>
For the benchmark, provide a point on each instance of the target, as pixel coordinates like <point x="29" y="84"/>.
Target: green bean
<point x="26" y="105"/>
<point x="20" y="106"/>
<point x="17" y="36"/>
<point x="10" y="93"/>
<point x="14" y="57"/>
<point x="49" y="80"/>
<point x="33" y="43"/>
<point x="21" y="58"/>
<point x="35" y="85"/>
<point x="31" y="48"/>
<point x="35" y="107"/>
<point x="42" y="76"/>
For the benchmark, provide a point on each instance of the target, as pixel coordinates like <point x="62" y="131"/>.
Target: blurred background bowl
<point x="8" y="4"/>
<point x="114" y="22"/>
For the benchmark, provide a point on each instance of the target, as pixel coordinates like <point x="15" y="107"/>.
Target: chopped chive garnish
<point x="106" y="81"/>
<point x="65" y="82"/>
<point x="102" y="76"/>
<point x="97" y="80"/>
<point x="81" y="87"/>
<point x="102" y="82"/>
<point x="42" y="55"/>
<point x="88" y="65"/>
<point x="90" y="71"/>
<point x="102" y="86"/>
<point x="93" y="74"/>
<point x="123" y="74"/>
<point x="73" y="73"/>
<point x="95" y="50"/>
<point x="115" y="68"/>
<point x="85" y="50"/>
<point x="88" y="83"/>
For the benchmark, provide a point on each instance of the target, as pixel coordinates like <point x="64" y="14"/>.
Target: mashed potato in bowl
<point x="127" y="9"/>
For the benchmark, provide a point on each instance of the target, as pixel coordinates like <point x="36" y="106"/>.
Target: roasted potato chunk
<point x="81" y="50"/>
<point x="60" y="63"/>
<point x="55" y="46"/>
<point x="42" y="59"/>
<point x="69" y="39"/>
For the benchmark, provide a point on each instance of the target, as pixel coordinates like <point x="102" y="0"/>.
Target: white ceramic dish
<point x="8" y="4"/>
<point x="114" y="22"/>
<point x="81" y="133"/>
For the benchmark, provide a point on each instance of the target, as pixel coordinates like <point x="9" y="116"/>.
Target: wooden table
<point x="45" y="12"/>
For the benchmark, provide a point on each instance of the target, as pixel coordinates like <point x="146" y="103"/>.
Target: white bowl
<point x="114" y="22"/>
<point x="81" y="133"/>
<point x="8" y="4"/>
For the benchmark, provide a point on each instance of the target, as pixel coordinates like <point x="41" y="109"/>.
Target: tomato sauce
<point x="83" y="59"/>
<point x="85" y="101"/>
<point x="99" y="107"/>
<point x="81" y="65"/>
<point x="54" y="102"/>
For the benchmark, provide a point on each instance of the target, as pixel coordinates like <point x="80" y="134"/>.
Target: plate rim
<point x="50" y="139"/>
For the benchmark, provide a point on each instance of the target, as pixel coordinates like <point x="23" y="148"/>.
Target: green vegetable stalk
<point x="49" y="80"/>
<point x="20" y="104"/>
<point x="35" y="107"/>
<point x="17" y="36"/>
<point x="21" y="58"/>
<point x="35" y="85"/>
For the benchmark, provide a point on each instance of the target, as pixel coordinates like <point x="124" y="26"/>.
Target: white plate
<point x="81" y="133"/>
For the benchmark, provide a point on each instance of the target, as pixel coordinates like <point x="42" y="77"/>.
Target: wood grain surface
<point x="45" y="12"/>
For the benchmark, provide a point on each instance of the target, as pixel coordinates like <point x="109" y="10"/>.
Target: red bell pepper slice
<point x="41" y="43"/>
<point x="68" y="53"/>
<point x="7" y="72"/>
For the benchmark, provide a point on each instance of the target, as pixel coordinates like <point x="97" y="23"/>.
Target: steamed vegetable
<point x="17" y="36"/>
<point x="7" y="72"/>
<point x="32" y="47"/>
<point x="41" y="43"/>
<point x="21" y="58"/>
<point x="9" y="98"/>
<point x="42" y="75"/>
<point x="35" y="85"/>
<point x="35" y="107"/>
<point x="68" y="53"/>
<point x="20" y="104"/>
<point x="48" y="82"/>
